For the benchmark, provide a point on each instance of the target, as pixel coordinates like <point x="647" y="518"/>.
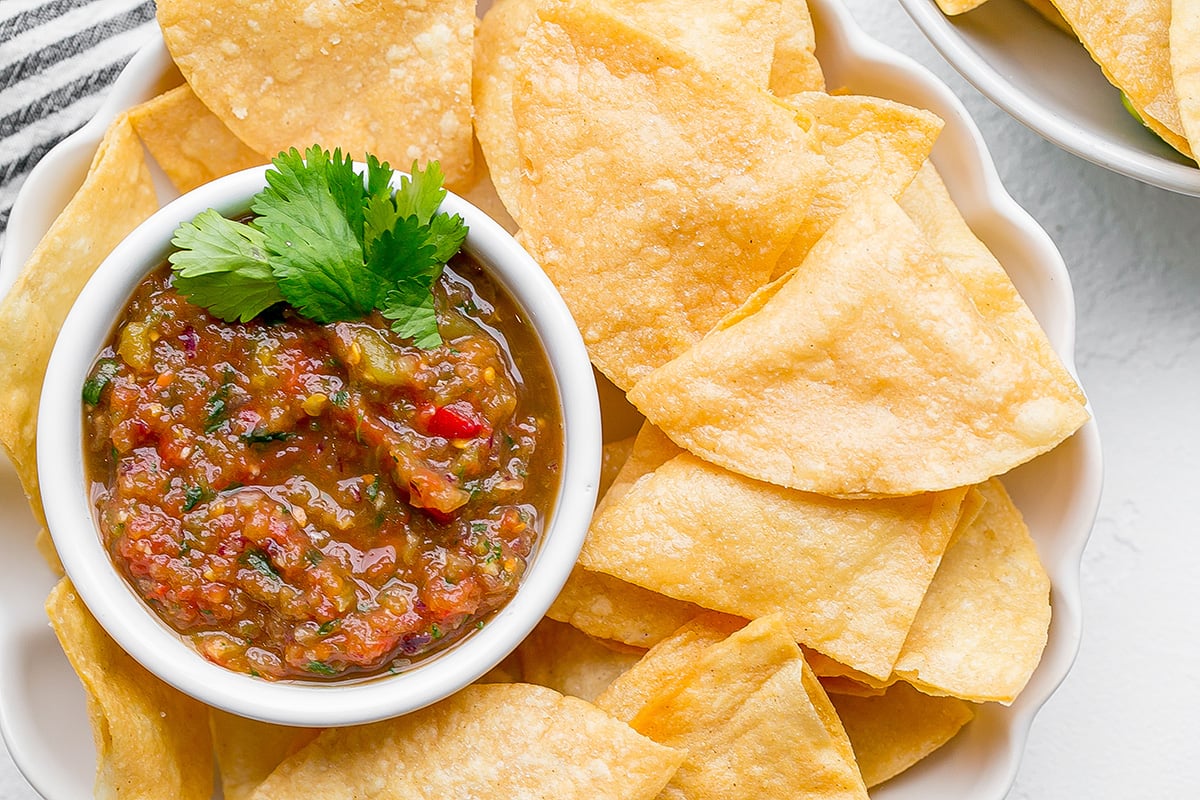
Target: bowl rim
<point x="1081" y="141"/>
<point x="317" y="704"/>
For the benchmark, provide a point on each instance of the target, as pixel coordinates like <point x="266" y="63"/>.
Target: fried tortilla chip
<point x="152" y="742"/>
<point x="753" y="721"/>
<point x="503" y="740"/>
<point x="849" y="575"/>
<point x="608" y="608"/>
<point x="840" y="684"/>
<point x="884" y="378"/>
<point x="388" y="78"/>
<point x="248" y="751"/>
<point x="116" y="195"/>
<point x="892" y="732"/>
<point x="983" y="624"/>
<point x="673" y="656"/>
<point x="482" y="194"/>
<point x="929" y="205"/>
<point x="571" y="662"/>
<point x="953" y="7"/>
<point x="188" y="141"/>
<point x="497" y="43"/>
<point x="612" y="457"/>
<point x="795" y="67"/>
<point x="1047" y="10"/>
<point x="707" y="182"/>
<point x="507" y="671"/>
<point x="731" y="38"/>
<point x="867" y="141"/>
<point x="1130" y="42"/>
<point x="45" y="547"/>
<point x="651" y="449"/>
<point x="1185" y="66"/>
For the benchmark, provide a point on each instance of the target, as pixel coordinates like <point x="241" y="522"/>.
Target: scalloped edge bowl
<point x="41" y="705"/>
<point x="1048" y="82"/>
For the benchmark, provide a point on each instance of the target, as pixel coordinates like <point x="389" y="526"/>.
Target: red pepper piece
<point x="455" y="421"/>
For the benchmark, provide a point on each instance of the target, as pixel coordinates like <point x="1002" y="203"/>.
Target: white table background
<point x="1123" y="725"/>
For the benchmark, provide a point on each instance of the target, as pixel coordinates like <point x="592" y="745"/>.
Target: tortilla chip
<point x="570" y="662"/>
<point x="733" y="39"/>
<point x="849" y="575"/>
<point x="188" y="141"/>
<point x="884" y="378"/>
<point x="891" y="733"/>
<point x="612" y="457"/>
<point x="953" y="7"/>
<point x="839" y="684"/>
<point x="983" y="624"/>
<point x="116" y="195"/>
<point x="607" y="608"/>
<point x="651" y="449"/>
<point x="708" y="183"/>
<point x="248" y="751"/>
<point x="1130" y="41"/>
<point x="825" y="667"/>
<point x="795" y="67"/>
<point x="499" y="39"/>
<point x="1047" y="10"/>
<point x="929" y="205"/>
<point x="867" y="142"/>
<point x="45" y="546"/>
<point x="507" y="671"/>
<point x="504" y="740"/>
<point x="152" y="742"/>
<point x="669" y="658"/>
<point x="1185" y="66"/>
<point x="482" y="194"/>
<point x="754" y="723"/>
<point x="392" y="79"/>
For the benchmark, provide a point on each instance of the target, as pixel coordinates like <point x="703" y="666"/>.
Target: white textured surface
<point x="1122" y="724"/>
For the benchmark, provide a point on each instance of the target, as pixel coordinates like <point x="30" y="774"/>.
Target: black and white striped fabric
<point x="57" y="58"/>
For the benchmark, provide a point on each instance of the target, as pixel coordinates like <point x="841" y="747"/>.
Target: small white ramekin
<point x="164" y="652"/>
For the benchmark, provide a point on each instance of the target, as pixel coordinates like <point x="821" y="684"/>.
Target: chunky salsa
<point x="320" y="501"/>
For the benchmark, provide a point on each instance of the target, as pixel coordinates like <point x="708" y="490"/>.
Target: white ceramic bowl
<point x="1047" y="80"/>
<point x="162" y="651"/>
<point x="42" y="707"/>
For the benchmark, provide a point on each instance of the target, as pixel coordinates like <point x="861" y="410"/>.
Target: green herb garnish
<point x="259" y="561"/>
<point x="192" y="495"/>
<point x="328" y="244"/>
<point x="102" y="375"/>
<point x="263" y="437"/>
<point x="320" y="667"/>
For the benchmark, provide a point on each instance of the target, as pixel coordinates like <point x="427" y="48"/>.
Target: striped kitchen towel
<point x="57" y="58"/>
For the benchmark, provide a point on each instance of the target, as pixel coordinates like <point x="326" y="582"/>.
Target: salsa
<point x="308" y="501"/>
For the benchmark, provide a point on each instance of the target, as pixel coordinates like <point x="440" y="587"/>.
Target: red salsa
<point x="321" y="501"/>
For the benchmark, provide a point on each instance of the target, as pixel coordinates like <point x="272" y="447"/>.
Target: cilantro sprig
<point x="328" y="243"/>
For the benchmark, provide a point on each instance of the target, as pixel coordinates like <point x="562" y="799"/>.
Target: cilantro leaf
<point x="345" y="185"/>
<point x="331" y="242"/>
<point x="411" y="306"/>
<point x="317" y="259"/>
<point x="447" y="234"/>
<point x="421" y="193"/>
<point x="222" y="265"/>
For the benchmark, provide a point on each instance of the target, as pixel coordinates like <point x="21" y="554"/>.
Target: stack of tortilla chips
<point x="803" y="572"/>
<point x="1149" y="50"/>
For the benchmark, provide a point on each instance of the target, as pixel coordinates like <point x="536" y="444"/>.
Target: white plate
<point x="42" y="706"/>
<point x="1047" y="80"/>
